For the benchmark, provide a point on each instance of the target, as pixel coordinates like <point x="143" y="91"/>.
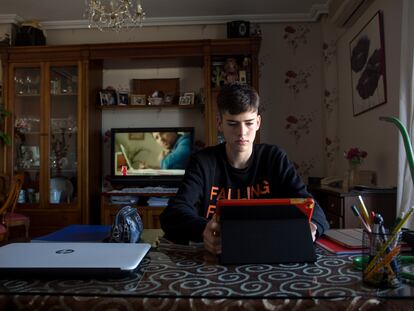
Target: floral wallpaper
<point x="300" y="105"/>
<point x="298" y="126"/>
<point x="296" y="36"/>
<point x="298" y="81"/>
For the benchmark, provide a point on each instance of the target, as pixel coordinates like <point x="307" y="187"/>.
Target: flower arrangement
<point x="355" y="155"/>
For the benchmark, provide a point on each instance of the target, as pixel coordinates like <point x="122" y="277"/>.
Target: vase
<point x="353" y="175"/>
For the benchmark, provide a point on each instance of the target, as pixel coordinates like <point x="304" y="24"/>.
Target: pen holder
<point x="382" y="269"/>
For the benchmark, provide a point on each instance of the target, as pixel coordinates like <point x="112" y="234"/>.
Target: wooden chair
<point x="4" y="187"/>
<point x="8" y="216"/>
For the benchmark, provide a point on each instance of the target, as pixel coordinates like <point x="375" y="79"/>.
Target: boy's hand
<point x="211" y="236"/>
<point x="313" y="230"/>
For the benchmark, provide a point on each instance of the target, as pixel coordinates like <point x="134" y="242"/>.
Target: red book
<point x="336" y="248"/>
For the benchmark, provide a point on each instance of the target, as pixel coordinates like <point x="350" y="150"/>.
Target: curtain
<point x="405" y="194"/>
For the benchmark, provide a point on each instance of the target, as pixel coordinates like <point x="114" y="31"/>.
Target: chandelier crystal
<point x="114" y="14"/>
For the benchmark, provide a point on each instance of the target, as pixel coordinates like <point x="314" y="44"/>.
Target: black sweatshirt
<point x="210" y="176"/>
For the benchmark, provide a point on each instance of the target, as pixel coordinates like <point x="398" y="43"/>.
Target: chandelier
<point x="114" y="14"/>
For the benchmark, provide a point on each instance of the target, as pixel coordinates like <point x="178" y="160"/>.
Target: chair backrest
<point x="13" y="194"/>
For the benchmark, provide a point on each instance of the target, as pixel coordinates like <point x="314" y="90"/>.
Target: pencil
<point x="364" y="211"/>
<point x="357" y="213"/>
<point x="385" y="261"/>
<point x="394" y="235"/>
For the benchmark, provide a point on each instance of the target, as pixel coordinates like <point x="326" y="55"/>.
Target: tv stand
<point x="149" y="214"/>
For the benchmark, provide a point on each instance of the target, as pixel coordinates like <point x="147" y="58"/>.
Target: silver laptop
<point x="72" y="259"/>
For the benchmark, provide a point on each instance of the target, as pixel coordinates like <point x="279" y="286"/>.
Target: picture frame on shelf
<point x="191" y="95"/>
<point x="367" y="58"/>
<point x="138" y="99"/>
<point x="122" y="97"/>
<point x="107" y="97"/>
<point x="185" y="100"/>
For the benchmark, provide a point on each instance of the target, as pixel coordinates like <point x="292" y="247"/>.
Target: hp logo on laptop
<point x="65" y="251"/>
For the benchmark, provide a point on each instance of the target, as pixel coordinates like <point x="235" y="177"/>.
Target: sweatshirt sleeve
<point x="292" y="184"/>
<point x="181" y="220"/>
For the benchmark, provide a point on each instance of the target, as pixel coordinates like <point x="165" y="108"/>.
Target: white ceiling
<point x="70" y="13"/>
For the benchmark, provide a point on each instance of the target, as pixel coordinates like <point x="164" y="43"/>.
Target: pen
<point x="380" y="221"/>
<point x="373" y="216"/>
<point x="356" y="213"/>
<point x="394" y="235"/>
<point x="364" y="211"/>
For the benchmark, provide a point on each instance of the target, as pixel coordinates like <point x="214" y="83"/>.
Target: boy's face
<point x="239" y="130"/>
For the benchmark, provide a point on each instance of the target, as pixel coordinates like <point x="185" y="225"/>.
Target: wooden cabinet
<point x="56" y="122"/>
<point x="149" y="214"/>
<point x="337" y="205"/>
<point x="54" y="127"/>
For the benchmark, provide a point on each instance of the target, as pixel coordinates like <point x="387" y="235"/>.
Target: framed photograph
<point x="122" y="98"/>
<point x="191" y="95"/>
<point x="138" y="99"/>
<point x="367" y="58"/>
<point x="185" y="100"/>
<point x="107" y="97"/>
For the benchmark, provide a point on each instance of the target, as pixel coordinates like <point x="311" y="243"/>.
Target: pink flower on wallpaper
<point x="331" y="148"/>
<point x="297" y="81"/>
<point x="298" y="126"/>
<point x="330" y="100"/>
<point x="329" y="52"/>
<point x="296" y="35"/>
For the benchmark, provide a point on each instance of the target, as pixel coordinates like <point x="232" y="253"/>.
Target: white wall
<point x="378" y="138"/>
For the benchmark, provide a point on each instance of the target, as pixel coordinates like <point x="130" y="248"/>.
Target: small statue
<point x="231" y="70"/>
<point x="218" y="76"/>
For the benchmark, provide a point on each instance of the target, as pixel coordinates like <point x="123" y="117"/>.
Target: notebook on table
<point x="71" y="259"/>
<point x="266" y="230"/>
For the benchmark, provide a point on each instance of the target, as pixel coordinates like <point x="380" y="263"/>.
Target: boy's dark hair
<point x="237" y="98"/>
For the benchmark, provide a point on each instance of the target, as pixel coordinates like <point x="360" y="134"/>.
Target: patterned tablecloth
<point x="187" y="276"/>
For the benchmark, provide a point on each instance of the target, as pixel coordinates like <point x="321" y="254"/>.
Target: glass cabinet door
<point x="63" y="135"/>
<point x="27" y="111"/>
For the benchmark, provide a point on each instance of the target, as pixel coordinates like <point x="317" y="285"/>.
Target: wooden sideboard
<point x="337" y="203"/>
<point x="149" y="214"/>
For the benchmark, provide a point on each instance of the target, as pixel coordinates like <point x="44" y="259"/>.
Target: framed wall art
<point x="368" y="77"/>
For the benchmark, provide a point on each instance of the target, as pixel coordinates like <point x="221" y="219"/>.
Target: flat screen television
<point x="150" y="156"/>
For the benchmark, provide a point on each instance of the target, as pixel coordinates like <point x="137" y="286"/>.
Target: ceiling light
<point x="114" y="14"/>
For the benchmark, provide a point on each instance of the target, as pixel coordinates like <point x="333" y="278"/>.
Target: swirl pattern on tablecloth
<point x="187" y="271"/>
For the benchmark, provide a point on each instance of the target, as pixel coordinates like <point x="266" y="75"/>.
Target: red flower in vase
<point x="355" y="155"/>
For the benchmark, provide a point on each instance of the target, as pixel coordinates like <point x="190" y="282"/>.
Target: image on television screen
<point x="151" y="151"/>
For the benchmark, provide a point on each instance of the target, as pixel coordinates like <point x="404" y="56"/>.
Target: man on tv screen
<point x="149" y="150"/>
<point x="176" y="149"/>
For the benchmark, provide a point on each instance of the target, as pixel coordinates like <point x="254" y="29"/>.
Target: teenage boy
<point x="235" y="169"/>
